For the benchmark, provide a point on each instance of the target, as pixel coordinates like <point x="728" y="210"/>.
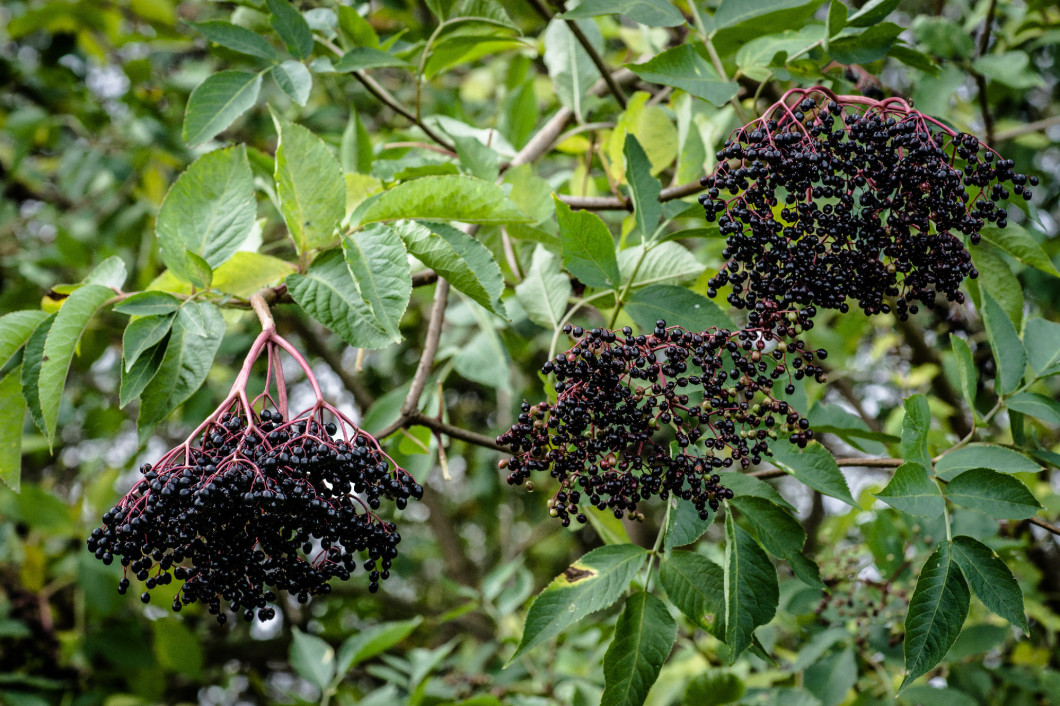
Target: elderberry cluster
<point x="841" y="197"/>
<point x="259" y="505"/>
<point x="623" y="400"/>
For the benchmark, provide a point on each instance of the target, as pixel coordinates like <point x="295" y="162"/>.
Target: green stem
<point x="625" y="290"/>
<point x="658" y="543"/>
<point x="720" y="68"/>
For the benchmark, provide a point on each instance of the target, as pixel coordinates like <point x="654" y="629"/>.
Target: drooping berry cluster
<point x="624" y="399"/>
<point x="827" y="198"/>
<point x="256" y="503"/>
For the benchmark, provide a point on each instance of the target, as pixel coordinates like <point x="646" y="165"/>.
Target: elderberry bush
<point x="827" y="198"/>
<point x="624" y="399"/>
<point x="256" y="503"/>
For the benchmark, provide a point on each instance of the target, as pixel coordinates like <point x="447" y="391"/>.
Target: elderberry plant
<point x="252" y="503"/>
<point x="828" y="198"/>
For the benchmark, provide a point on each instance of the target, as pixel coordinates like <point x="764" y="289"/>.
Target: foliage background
<point x="92" y="109"/>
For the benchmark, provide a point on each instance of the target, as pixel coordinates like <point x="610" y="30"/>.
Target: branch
<point x="613" y="203"/>
<point x="1026" y="129"/>
<point x="436" y="425"/>
<point x="844" y="462"/>
<point x="1045" y="525"/>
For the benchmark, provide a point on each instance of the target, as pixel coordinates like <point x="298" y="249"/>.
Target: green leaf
<point x="209" y="211"/>
<point x="588" y="247"/>
<point x="176" y="648"/>
<point x="1010" y="68"/>
<point x="135" y="381"/>
<point x="644" y="635"/>
<point x="867" y="46"/>
<point x="544" y="290"/>
<point x="294" y="79"/>
<point x="292" y="28"/>
<point x="837" y="20"/>
<point x="678" y="306"/>
<point x="311" y="657"/>
<point x="967" y="372"/>
<point x="756" y="57"/>
<point x="447" y="197"/>
<point x="778" y="531"/>
<point x="996" y="494"/>
<point x="592" y="583"/>
<point x="148" y="303"/>
<point x="109" y="273"/>
<point x="458" y="258"/>
<point x="644" y="189"/>
<point x="141" y="334"/>
<point x="991" y="580"/>
<point x="197" y="270"/>
<point x="328" y="293"/>
<point x="830" y="678"/>
<point x="355" y="152"/>
<point x="936" y="613"/>
<point x="310" y="186"/>
<point x="911" y="490"/>
<point x="70" y="322"/>
<point x="663" y="261"/>
<point x="1040" y="406"/>
<point x="1018" y="242"/>
<point x="608" y="527"/>
<point x="12" y="419"/>
<point x="15" y="330"/>
<point x="569" y="66"/>
<point x="357" y="30"/>
<point x="814" y="466"/>
<point x="1042" y="339"/>
<point x="696" y="585"/>
<point x="193" y="342"/>
<point x="247" y="272"/>
<point x="681" y="67"/>
<point x="751" y="589"/>
<point x="371" y="642"/>
<point x="361" y="58"/>
<point x="217" y="102"/>
<point x="979" y="455"/>
<point x="872" y="12"/>
<point x="685" y="525"/>
<point x="995" y="277"/>
<point x="1006" y="345"/>
<point x="915" y="427"/>
<point x="379" y="264"/>
<point x="744" y="485"/>
<point x="236" y="38"/>
<point x="734" y="12"/>
<point x="714" y="688"/>
<point x="32" y="360"/>
<point x="481" y="162"/>
<point x="653" y="13"/>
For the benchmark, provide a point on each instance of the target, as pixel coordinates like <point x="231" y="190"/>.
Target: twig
<point x="844" y="462"/>
<point x="418" y="145"/>
<point x="1045" y="525"/>
<point x="613" y="203"/>
<point x="1036" y="126"/>
<point x="437" y="425"/>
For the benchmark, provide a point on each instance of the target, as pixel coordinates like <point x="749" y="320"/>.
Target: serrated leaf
<point x="356" y="29"/>
<point x="32" y="359"/>
<point x="478" y="258"/>
<point x="915" y="427"/>
<point x="814" y="466"/>
<point x="236" y="38"/>
<point x="1040" y="406"/>
<point x="653" y="13"/>
<point x="911" y="490"/>
<point x="447" y="197"/>
<point x="70" y="322"/>
<point x="836" y="21"/>
<point x="996" y="494"/>
<point x="685" y="525"/>
<point x="569" y="66"/>
<point x="193" y="342"/>
<point x="379" y="264"/>
<point x="644" y="635"/>
<point x="967" y="373"/>
<point x="135" y="381"/>
<point x="544" y="290"/>
<point x="696" y="585"/>
<point x="292" y="28"/>
<point x="991" y="580"/>
<point x="588" y="247"/>
<point x="1018" y="242"/>
<point x="15" y="330"/>
<point x="355" y="151"/>
<point x="996" y="277"/>
<point x="751" y="589"/>
<point x="872" y="12"/>
<point x="109" y="273"/>
<point x="644" y="189"/>
<point x="1042" y="340"/>
<point x="147" y="303"/>
<point x="866" y="46"/>
<point x="141" y="334"/>
<point x="592" y="583"/>
<point x="1006" y="345"/>
<point x="312" y="658"/>
<point x="294" y="79"/>
<point x="197" y="270"/>
<point x="371" y="642"/>
<point x="328" y="294"/>
<point x="741" y="484"/>
<point x="361" y="58"/>
<point x="217" y="102"/>
<point x="310" y="186"/>
<point x="937" y="611"/>
<point x="12" y="419"/>
<point x="247" y="272"/>
<point x="209" y="211"/>
<point x="731" y="13"/>
<point x="679" y="306"/>
<point x="665" y="262"/>
<point x="778" y="531"/>
<point x="980" y="455"/>
<point x="681" y="67"/>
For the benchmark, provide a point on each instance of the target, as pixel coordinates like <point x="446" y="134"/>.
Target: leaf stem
<point x="625" y="290"/>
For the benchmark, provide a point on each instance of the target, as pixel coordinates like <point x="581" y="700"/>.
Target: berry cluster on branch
<point x="252" y="503"/>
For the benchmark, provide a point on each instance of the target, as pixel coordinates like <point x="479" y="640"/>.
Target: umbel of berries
<point x="258" y="502"/>
<point x="828" y="198"/>
<point x="662" y="414"/>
